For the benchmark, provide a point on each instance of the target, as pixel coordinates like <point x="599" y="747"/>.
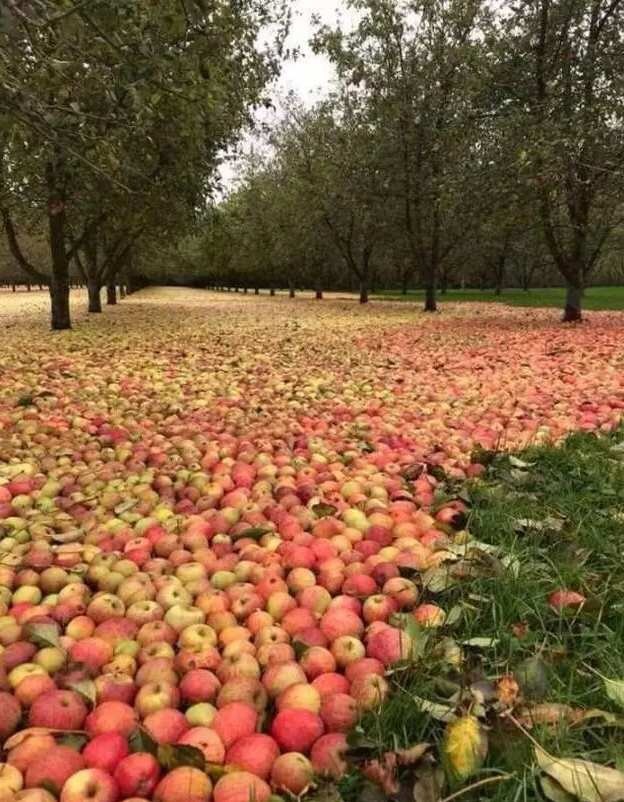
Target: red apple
<point x="292" y="772"/>
<point x="54" y="768"/>
<point x="183" y="785"/>
<point x="166" y="725"/>
<point x="199" y="685"/>
<point x="234" y="721"/>
<point x="137" y="774"/>
<point x="255" y="753"/>
<point x="240" y="786"/>
<point x="105" y="751"/>
<point x="208" y="741"/>
<point x="389" y="645"/>
<point x="111" y="717"/>
<point x="327" y="755"/>
<point x="339" y="712"/>
<point x="90" y="785"/>
<point x="59" y="710"/>
<point x="10" y="715"/>
<point x="296" y="730"/>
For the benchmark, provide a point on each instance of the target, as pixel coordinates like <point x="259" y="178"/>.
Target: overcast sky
<point x="309" y="75"/>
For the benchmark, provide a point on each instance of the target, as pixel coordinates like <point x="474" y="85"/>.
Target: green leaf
<point x="481" y="643"/>
<point x="253" y="533"/>
<point x="454" y="615"/>
<point x="532" y="678"/>
<point x="300" y="649"/>
<point x="86" y="688"/>
<point x="142" y="741"/>
<point x="43" y="635"/>
<point x="324" y="510"/>
<point x="419" y="635"/>
<point x="615" y="690"/>
<point x="51" y="788"/>
<point x="172" y="756"/>
<point x="437" y="711"/>
<point x="74" y="740"/>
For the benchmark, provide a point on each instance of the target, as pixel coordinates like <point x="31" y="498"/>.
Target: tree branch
<point x="16" y="250"/>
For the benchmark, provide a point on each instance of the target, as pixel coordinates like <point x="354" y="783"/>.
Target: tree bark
<point x="573" y="304"/>
<point x="59" y="282"/>
<point x="363" y="291"/>
<point x="111" y="294"/>
<point x="95" y="299"/>
<point x="430" y="297"/>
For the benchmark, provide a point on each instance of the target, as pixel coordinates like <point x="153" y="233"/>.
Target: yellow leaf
<point x="588" y="782"/>
<point x="464" y="747"/>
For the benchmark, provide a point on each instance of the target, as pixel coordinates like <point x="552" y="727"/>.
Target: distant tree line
<point x="467" y="143"/>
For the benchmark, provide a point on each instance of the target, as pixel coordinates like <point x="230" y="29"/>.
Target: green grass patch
<point x="596" y="298"/>
<point x="556" y="516"/>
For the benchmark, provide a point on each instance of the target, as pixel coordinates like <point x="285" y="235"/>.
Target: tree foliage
<point x="113" y="117"/>
<point x="465" y="142"/>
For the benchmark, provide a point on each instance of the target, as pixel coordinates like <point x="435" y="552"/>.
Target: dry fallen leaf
<point x="586" y="781"/>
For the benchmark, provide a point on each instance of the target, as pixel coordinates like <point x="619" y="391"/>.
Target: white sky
<point x="309" y="75"/>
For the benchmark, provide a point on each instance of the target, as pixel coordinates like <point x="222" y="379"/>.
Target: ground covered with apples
<point x="256" y="548"/>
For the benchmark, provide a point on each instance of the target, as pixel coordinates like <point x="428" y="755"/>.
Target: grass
<point x="556" y="515"/>
<point x="596" y="298"/>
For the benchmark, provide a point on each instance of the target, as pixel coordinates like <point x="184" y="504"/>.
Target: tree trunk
<point x="573" y="303"/>
<point x="122" y="290"/>
<point x="111" y="294"/>
<point x="405" y="283"/>
<point x="13" y="287"/>
<point x="319" y="290"/>
<point x="28" y="286"/>
<point x="245" y="290"/>
<point x="430" y="297"/>
<point x="272" y="292"/>
<point x="95" y="300"/>
<point x="291" y="289"/>
<point x="363" y="291"/>
<point x="500" y="274"/>
<point x="256" y="290"/>
<point x="59" y="281"/>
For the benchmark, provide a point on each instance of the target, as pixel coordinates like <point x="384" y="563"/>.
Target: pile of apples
<point x="208" y="518"/>
<point x="257" y="631"/>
